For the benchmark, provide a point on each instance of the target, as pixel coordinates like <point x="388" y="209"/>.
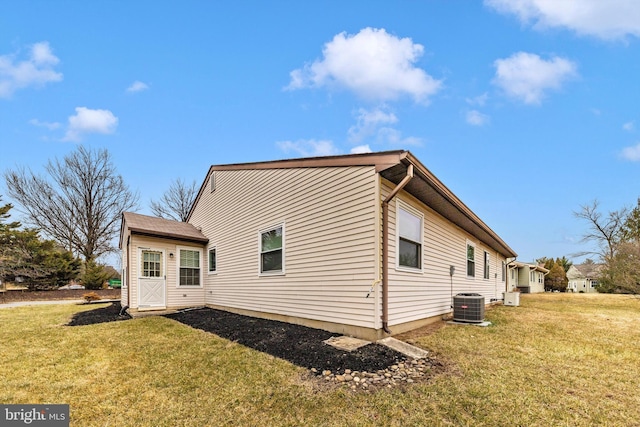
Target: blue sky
<point x="525" y="109"/>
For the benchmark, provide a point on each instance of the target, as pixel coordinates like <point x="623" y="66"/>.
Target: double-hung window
<point x="486" y="264"/>
<point x="471" y="260"/>
<point x="189" y="270"/>
<point x="213" y="260"/>
<point x="409" y="239"/>
<point x="272" y="250"/>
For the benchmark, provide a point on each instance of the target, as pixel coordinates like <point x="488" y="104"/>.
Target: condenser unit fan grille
<point x="468" y="308"/>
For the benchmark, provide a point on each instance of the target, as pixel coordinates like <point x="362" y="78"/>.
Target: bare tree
<point x="176" y="202"/>
<point x="603" y="230"/>
<point x="78" y="204"/>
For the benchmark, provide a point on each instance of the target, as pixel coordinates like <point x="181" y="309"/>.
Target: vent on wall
<point x="468" y="308"/>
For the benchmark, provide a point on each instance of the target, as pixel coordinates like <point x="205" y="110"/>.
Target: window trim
<point x="209" y="270"/>
<point x="417" y="213"/>
<point x="466" y="257"/>
<point x="504" y="271"/>
<point x="283" y="249"/>
<point x="201" y="279"/>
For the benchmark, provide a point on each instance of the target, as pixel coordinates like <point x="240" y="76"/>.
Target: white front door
<point x="151" y="283"/>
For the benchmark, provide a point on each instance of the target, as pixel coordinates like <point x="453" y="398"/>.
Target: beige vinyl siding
<point x="175" y="296"/>
<point x="419" y="295"/>
<point x="329" y="221"/>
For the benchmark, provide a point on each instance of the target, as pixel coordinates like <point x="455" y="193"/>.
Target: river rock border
<point x="402" y="374"/>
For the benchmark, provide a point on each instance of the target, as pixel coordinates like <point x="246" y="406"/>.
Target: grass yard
<point x="557" y="360"/>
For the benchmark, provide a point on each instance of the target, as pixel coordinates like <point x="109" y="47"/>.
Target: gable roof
<point x="391" y="165"/>
<point x="160" y="227"/>
<point x="532" y="266"/>
<point x="589" y="270"/>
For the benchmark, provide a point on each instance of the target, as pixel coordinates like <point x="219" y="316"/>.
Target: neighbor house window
<point x="189" y="268"/>
<point x="272" y="250"/>
<point x="151" y="263"/>
<point x="532" y="277"/>
<point x="471" y="260"/>
<point x="504" y="271"/>
<point x="486" y="264"/>
<point x="213" y="261"/>
<point x="409" y="239"/>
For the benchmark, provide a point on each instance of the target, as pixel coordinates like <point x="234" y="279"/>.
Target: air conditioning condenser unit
<point x="468" y="308"/>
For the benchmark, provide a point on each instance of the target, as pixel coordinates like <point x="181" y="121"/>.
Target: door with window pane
<point x="151" y="280"/>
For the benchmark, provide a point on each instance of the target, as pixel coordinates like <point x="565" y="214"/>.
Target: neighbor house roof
<point x="590" y="270"/>
<point x="160" y="227"/>
<point x="392" y="165"/>
<point x="532" y="265"/>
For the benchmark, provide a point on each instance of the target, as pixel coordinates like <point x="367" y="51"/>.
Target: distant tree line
<point x="617" y="236"/>
<point x="556" y="279"/>
<point x="73" y="213"/>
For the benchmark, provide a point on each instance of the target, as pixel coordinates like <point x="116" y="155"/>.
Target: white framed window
<point x="471" y="260"/>
<point x="486" y="265"/>
<point x="189" y="267"/>
<point x="212" y="182"/>
<point x="213" y="260"/>
<point x="504" y="271"/>
<point x="409" y="223"/>
<point x="151" y="263"/>
<point x="272" y="253"/>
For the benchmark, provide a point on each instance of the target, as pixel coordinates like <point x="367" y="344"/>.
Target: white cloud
<point x="479" y="100"/>
<point x="632" y="153"/>
<point x="137" y="86"/>
<point x="476" y="118"/>
<point x="361" y="149"/>
<point x="606" y="19"/>
<point x="629" y="126"/>
<point x="368" y="123"/>
<point x="48" y="125"/>
<point x="373" y="64"/>
<point x="88" y="121"/>
<point x="394" y="137"/>
<point x="526" y="76"/>
<point x="308" y="147"/>
<point x="36" y="70"/>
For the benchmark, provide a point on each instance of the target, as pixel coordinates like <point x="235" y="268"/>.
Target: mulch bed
<point x="299" y="345"/>
<point x="111" y="313"/>
<point x="13" y="296"/>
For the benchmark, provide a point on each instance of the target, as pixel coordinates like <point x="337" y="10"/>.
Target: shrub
<point x="91" y="296"/>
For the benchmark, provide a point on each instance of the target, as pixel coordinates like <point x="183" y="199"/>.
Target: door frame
<point x="163" y="278"/>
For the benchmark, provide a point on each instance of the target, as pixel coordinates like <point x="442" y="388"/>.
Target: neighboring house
<point x="583" y="277"/>
<point x="527" y="277"/>
<point x="359" y="244"/>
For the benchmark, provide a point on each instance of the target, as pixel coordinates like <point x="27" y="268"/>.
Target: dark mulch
<point x="110" y="313"/>
<point x="18" y="295"/>
<point x="299" y="345"/>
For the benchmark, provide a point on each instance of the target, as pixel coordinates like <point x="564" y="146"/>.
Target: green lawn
<point x="557" y="360"/>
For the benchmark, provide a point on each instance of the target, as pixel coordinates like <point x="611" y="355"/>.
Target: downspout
<point x="385" y="247"/>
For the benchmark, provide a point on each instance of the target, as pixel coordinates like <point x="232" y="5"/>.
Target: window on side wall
<point x="471" y="260"/>
<point x="486" y="264"/>
<point x="189" y="268"/>
<point x="504" y="271"/>
<point x="409" y="239"/>
<point x="272" y="250"/>
<point x="213" y="260"/>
